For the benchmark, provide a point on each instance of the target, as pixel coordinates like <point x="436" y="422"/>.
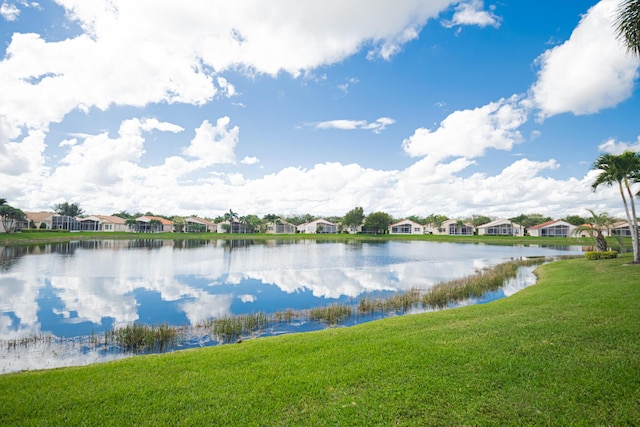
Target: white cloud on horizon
<point x="114" y="179"/>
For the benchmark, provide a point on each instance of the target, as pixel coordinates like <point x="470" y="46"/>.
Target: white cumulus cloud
<point x="472" y="13"/>
<point x="469" y="133"/>
<point x="343" y="124"/>
<point x="9" y="11"/>
<point x="214" y="144"/>
<point x="590" y="71"/>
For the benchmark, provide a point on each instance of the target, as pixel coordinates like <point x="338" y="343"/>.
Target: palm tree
<point x="598" y="223"/>
<point x="232" y="217"/>
<point x="623" y="169"/>
<point x="627" y="25"/>
<point x="131" y="223"/>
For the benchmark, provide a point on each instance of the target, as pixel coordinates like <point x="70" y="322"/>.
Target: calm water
<point x="84" y="287"/>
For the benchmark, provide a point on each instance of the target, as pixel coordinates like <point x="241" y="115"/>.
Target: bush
<point x="601" y="255"/>
<point x="43" y="230"/>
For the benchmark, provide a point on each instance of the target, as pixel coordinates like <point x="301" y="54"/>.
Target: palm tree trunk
<point x="631" y="220"/>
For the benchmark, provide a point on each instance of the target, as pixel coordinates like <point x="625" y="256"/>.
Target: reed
<point x="232" y="327"/>
<point x="137" y="338"/>
<point x="15" y="343"/>
<point x="490" y="279"/>
<point x="286" y="316"/>
<point x="332" y="314"/>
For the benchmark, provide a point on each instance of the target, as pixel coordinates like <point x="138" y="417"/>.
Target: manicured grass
<point x="563" y="352"/>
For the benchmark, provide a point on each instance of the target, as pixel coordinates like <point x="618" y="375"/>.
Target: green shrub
<point x="601" y="255"/>
<point x="44" y="230"/>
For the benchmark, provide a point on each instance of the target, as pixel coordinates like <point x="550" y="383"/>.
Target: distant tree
<point x="131" y="223"/>
<point x="180" y="225"/>
<point x="253" y="222"/>
<point x="417" y="219"/>
<point x="576" y="220"/>
<point x="232" y="217"/>
<point x="67" y="209"/>
<point x="529" y="220"/>
<point x="299" y="219"/>
<point x="623" y="170"/>
<point x="123" y="214"/>
<point x="10" y="216"/>
<point x="627" y="25"/>
<point x="354" y="218"/>
<point x="377" y="222"/>
<point x="270" y="217"/>
<point x="478" y="220"/>
<point x="333" y="218"/>
<point x="436" y="220"/>
<point x="595" y="226"/>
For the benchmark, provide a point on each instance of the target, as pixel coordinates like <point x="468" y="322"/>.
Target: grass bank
<point x="563" y="352"/>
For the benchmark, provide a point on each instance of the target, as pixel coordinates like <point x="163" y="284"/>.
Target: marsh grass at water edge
<point x="144" y="339"/>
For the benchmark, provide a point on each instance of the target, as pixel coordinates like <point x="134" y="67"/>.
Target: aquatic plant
<point x="332" y="314"/>
<point x="137" y="338"/>
<point x="231" y="327"/>
<point x="486" y="280"/>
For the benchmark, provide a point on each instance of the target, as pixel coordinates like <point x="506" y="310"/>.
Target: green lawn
<point x="563" y="352"/>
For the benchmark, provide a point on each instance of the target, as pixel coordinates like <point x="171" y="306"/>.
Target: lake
<point x="81" y="288"/>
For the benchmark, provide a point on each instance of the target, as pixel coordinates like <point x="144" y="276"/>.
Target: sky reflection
<point x="78" y="288"/>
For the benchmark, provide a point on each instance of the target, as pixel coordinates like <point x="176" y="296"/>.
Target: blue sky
<point x="287" y="107"/>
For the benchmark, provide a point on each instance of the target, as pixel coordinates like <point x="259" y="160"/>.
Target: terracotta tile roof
<point x="38" y="216"/>
<point x="199" y="221"/>
<point x="546" y="224"/>
<point x="110" y="218"/>
<point x="164" y="221"/>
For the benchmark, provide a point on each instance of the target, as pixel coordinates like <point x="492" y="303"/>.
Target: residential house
<point x="406" y="226"/>
<point x="52" y="221"/>
<point x="555" y="228"/>
<point x="106" y="223"/>
<point x="144" y="225"/>
<point x="451" y="227"/>
<point x="280" y="227"/>
<point x="319" y="226"/>
<point x="65" y="222"/>
<point x="500" y="227"/>
<point x="199" y="225"/>
<point x="621" y="229"/>
<point x="351" y="229"/>
<point x="36" y="219"/>
<point x="232" y="227"/>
